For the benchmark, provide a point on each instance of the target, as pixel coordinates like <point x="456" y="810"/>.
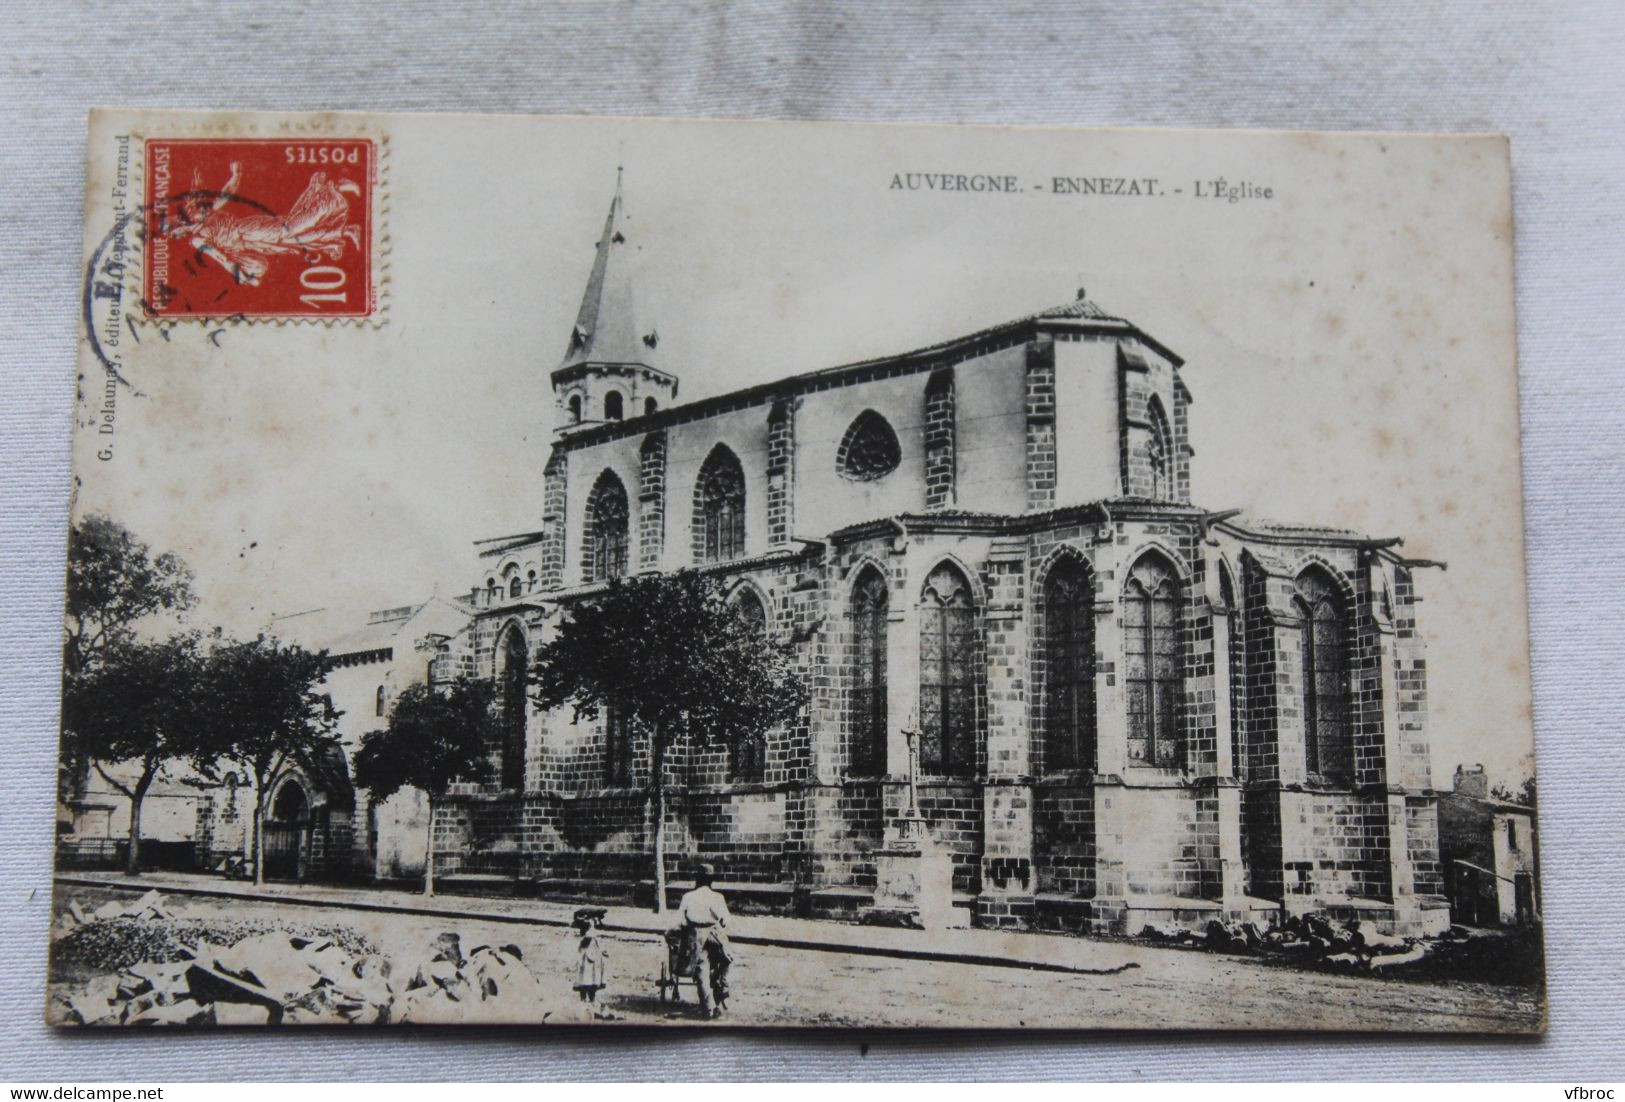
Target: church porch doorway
<point x="287" y="834"/>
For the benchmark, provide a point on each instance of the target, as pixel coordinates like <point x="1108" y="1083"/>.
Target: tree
<point x="1525" y="794"/>
<point x="260" y="701"/>
<point x="136" y="703"/>
<point x="114" y="581"/>
<point x="668" y="655"/>
<point x="432" y="740"/>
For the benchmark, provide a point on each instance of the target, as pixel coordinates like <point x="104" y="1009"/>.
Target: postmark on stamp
<point x="260" y="228"/>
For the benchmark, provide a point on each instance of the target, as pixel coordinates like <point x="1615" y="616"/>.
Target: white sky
<point x="1348" y="343"/>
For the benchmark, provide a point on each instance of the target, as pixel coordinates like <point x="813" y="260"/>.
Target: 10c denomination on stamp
<point x="260" y="228"/>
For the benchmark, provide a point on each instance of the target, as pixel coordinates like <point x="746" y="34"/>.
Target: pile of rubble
<point x="493" y="984"/>
<point x="279" y="977"/>
<point x="119" y="934"/>
<point x="1356" y="946"/>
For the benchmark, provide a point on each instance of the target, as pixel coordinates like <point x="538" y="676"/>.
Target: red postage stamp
<point x="262" y="227"/>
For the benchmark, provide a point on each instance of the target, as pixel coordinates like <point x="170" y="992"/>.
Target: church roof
<point x="373" y="637"/>
<point x="606" y="329"/>
<point x="1264" y="526"/>
<point x="381" y="632"/>
<point x="1082" y="312"/>
<point x="1080" y="307"/>
<point x="497" y="546"/>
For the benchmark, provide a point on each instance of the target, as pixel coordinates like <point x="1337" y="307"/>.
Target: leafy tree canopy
<point x="262" y="702"/>
<point x="669" y="653"/>
<point x="1524" y="795"/>
<point x="137" y="703"/>
<point x="114" y="581"/>
<point x="432" y="740"/>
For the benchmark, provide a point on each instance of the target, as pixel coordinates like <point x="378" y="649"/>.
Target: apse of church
<point x="1129" y="709"/>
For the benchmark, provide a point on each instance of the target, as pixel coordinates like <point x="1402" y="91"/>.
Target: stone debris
<point x="126" y="939"/>
<point x="1355" y="946"/>
<point x="282" y="977"/>
<point x="150" y="905"/>
<point x="1390" y="960"/>
<point x="492" y="984"/>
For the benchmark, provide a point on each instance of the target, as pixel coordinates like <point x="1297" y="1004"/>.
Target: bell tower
<point x="608" y="372"/>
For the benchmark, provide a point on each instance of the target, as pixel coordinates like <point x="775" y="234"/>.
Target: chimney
<point x="1472" y="782"/>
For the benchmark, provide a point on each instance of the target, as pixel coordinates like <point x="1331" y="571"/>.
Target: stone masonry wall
<point x="1335" y="845"/>
<point x="1064" y="839"/>
<point x="555" y="479"/>
<point x="1163" y="845"/>
<point x="742" y="831"/>
<point x="941" y="460"/>
<point x="953" y="814"/>
<point x="1422" y="839"/>
<point x="651" y="503"/>
<point x="781" y="472"/>
<point x="847" y="830"/>
<point x="1410" y="676"/>
<point x="1040" y="425"/>
<point x="805" y="821"/>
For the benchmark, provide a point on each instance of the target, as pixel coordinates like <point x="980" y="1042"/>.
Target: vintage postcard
<point x="558" y="570"/>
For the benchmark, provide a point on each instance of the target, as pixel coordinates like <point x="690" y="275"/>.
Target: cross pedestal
<point x="914" y="875"/>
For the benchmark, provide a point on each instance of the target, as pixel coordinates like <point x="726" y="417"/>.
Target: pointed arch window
<point x="514" y="658"/>
<point x="575" y="409"/>
<point x="607" y="529"/>
<point x="1159" y="447"/>
<point x="516" y="586"/>
<point x="870" y="449"/>
<point x="867" y="733"/>
<point x="1151" y="651"/>
<point x="721" y="521"/>
<point x="1325" y="689"/>
<point x="1069" y="668"/>
<point x="750" y="610"/>
<point x="650" y="406"/>
<point x="747" y="758"/>
<point x="947" y="675"/>
<point x="613" y="406"/>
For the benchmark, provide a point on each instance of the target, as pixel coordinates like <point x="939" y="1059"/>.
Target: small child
<point x="590" y="953"/>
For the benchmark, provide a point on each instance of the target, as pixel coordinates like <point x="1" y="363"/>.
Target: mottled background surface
<point x="1550" y="77"/>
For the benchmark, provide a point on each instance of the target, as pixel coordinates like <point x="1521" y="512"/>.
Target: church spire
<point x="606" y="328"/>
<point x="608" y="373"/>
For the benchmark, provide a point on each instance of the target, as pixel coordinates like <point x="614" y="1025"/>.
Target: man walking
<point x="704" y="917"/>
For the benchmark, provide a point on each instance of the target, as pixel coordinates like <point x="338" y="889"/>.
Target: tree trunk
<point x="428" y="852"/>
<point x="132" y="851"/>
<point x="259" y="831"/>
<point x="657" y="786"/>
<point x="132" y="858"/>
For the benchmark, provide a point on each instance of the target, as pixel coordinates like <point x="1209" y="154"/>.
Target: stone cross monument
<point x="913" y="874"/>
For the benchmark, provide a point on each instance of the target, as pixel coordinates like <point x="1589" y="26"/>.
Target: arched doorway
<point x="287" y="833"/>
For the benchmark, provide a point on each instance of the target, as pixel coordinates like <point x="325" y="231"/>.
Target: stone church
<point x="1129" y="709"/>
